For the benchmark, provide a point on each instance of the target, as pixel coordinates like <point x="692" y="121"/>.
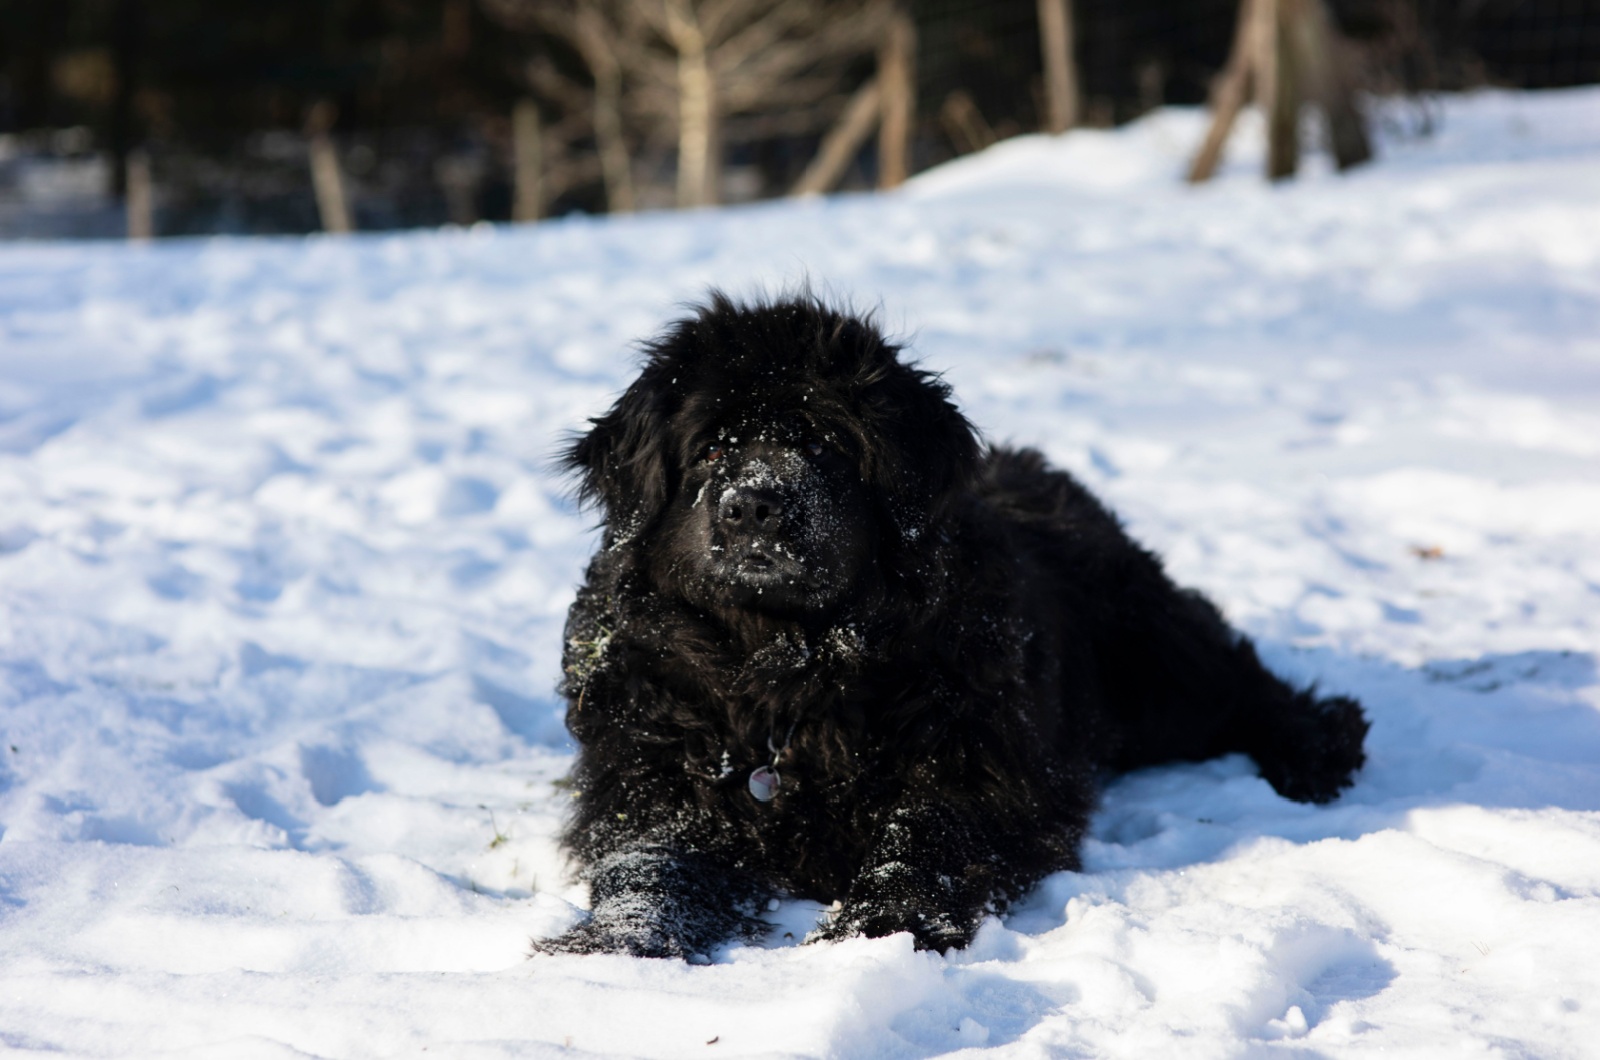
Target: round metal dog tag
<point x="764" y="783"/>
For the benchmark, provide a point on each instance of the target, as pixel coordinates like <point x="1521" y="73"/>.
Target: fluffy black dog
<point x="834" y="647"/>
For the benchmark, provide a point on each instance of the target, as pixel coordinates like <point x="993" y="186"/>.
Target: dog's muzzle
<point x="749" y="513"/>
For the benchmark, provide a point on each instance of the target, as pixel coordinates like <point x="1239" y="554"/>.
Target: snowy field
<point x="283" y="569"/>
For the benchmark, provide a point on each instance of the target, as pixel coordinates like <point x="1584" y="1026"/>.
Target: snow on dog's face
<point x="769" y="516"/>
<point x="772" y="457"/>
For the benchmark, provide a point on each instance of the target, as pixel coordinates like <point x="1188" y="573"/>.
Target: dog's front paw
<point x="635" y="937"/>
<point x="929" y="931"/>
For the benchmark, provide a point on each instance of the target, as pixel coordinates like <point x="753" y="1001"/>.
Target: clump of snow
<point x="284" y="563"/>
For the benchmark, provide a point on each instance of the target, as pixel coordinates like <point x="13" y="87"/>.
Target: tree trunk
<point x="897" y="81"/>
<point x="527" y="162"/>
<point x="1278" y="87"/>
<point x="1324" y="61"/>
<point x="616" y="165"/>
<point x="697" y="109"/>
<point x="1056" y="40"/>
<point x="1290" y="51"/>
<point x="326" y="180"/>
<point x="140" y="197"/>
<point x="127" y="31"/>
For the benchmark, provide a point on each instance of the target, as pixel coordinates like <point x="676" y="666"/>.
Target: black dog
<point x="834" y="647"/>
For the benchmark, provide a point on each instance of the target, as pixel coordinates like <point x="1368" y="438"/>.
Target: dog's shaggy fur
<point x="815" y="575"/>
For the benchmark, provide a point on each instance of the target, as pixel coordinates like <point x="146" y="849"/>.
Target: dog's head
<point x="770" y="455"/>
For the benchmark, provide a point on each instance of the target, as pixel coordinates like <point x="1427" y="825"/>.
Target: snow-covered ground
<point x="283" y="568"/>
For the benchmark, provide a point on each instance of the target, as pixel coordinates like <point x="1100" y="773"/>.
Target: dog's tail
<point x="1307" y="747"/>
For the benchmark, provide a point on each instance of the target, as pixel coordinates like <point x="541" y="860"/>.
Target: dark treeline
<point x="420" y="93"/>
<point x="249" y="64"/>
<point x="196" y="79"/>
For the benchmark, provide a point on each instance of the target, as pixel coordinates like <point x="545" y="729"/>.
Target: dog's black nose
<point x="751" y="510"/>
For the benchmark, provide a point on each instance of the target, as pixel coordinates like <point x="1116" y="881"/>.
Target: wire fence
<point x="978" y="79"/>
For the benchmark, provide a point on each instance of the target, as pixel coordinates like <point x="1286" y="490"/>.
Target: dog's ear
<point x="930" y="452"/>
<point x="919" y="451"/>
<point x="622" y="460"/>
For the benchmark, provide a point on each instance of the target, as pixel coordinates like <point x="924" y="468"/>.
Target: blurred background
<point x="184" y="117"/>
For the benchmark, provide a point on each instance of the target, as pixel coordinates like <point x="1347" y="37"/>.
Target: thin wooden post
<point x="1056" y="41"/>
<point x="1228" y="93"/>
<point x="897" y="83"/>
<point x="141" y="197"/>
<point x="326" y="181"/>
<point x="842" y="142"/>
<point x="527" y="153"/>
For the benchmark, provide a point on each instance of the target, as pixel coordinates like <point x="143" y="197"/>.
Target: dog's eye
<point x="816" y="448"/>
<point x="713" y="453"/>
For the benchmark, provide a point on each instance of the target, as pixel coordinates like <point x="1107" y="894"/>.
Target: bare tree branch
<point x="586" y="27"/>
<point x="688" y="66"/>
